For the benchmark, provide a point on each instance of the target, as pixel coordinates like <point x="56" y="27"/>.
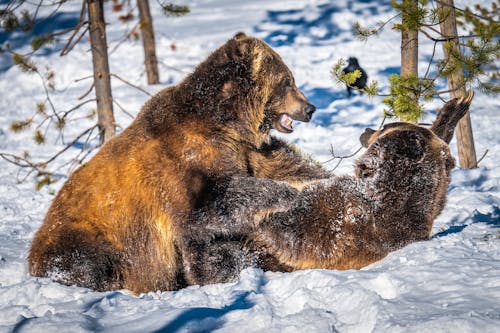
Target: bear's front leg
<point x="214" y="245"/>
<point x="328" y="226"/>
<point x="281" y="161"/>
<point x="235" y="205"/>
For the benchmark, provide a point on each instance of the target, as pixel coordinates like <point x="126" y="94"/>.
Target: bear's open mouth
<point x="285" y="123"/>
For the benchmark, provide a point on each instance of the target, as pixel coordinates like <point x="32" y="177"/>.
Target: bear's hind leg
<point x="78" y="258"/>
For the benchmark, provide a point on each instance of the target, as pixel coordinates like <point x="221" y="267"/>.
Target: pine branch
<point x="489" y="19"/>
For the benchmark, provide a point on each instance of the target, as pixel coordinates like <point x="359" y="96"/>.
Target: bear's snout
<point x="309" y="109"/>
<point x="304" y="112"/>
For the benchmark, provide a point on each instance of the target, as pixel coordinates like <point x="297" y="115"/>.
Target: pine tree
<point x="147" y="33"/>
<point x="148" y="40"/>
<point x="469" y="59"/>
<point x="409" y="58"/>
<point x="102" y="82"/>
<point x="465" y="138"/>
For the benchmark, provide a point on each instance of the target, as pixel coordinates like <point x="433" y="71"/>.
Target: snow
<point x="450" y="283"/>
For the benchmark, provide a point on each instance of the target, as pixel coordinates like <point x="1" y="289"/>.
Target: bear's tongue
<point x="286" y="122"/>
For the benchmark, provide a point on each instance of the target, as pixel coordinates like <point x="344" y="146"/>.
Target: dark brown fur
<point x="348" y="222"/>
<point x="120" y="220"/>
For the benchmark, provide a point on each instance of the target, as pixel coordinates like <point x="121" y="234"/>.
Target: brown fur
<point x="120" y="220"/>
<point x="348" y="222"/>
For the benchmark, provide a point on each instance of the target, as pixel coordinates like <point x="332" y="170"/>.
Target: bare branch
<point x="122" y="109"/>
<point x="130" y="84"/>
<point x="87" y="92"/>
<point x="69" y="45"/>
<point x="124" y="38"/>
<point x="430" y="61"/>
<point x="482" y="157"/>
<point x="77" y="106"/>
<point x="470" y="12"/>
<point x="84" y="78"/>
<point x="39" y="167"/>
<point x="340" y="158"/>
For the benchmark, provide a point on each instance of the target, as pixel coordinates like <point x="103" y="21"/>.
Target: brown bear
<point x="119" y="221"/>
<point x="346" y="222"/>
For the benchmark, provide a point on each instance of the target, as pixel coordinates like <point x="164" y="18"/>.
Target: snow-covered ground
<point x="450" y="283"/>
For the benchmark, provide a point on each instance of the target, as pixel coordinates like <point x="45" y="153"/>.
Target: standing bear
<point x="347" y="222"/>
<point x="119" y="221"/>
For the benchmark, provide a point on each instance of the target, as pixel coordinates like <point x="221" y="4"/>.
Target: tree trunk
<point x="98" y="44"/>
<point x="465" y="138"/>
<point x="409" y="49"/>
<point x="148" y="40"/>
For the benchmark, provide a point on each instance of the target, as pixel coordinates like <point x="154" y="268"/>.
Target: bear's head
<point x="406" y="168"/>
<point x="403" y="148"/>
<point x="246" y="85"/>
<point x="405" y="172"/>
<point x="408" y="148"/>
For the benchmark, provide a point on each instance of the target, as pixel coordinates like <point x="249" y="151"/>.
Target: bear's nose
<point x="309" y="110"/>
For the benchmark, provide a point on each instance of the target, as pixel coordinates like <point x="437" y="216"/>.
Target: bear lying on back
<point x="120" y="220"/>
<point x="347" y="222"/>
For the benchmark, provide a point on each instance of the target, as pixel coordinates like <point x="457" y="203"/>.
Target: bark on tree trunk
<point x="409" y="46"/>
<point x="409" y="49"/>
<point x="105" y="117"/>
<point x="465" y="138"/>
<point x="148" y="40"/>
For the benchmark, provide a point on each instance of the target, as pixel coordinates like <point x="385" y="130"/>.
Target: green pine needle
<point x="44" y="181"/>
<point x="39" y="41"/>
<point x="174" y="10"/>
<point x="39" y="137"/>
<point x="26" y="65"/>
<point x="20" y="125"/>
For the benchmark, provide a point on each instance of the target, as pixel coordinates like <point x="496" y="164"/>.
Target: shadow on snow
<point x="18" y="39"/>
<point x="205" y="319"/>
<point x="491" y="218"/>
<point x="314" y="22"/>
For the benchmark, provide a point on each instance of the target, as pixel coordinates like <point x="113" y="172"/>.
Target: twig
<point x="68" y="47"/>
<point x="40" y="166"/>
<point x="84" y="78"/>
<point x="124" y="38"/>
<point x="482" y="157"/>
<point x="77" y="106"/>
<point x="430" y="61"/>
<point x="87" y="92"/>
<point x="340" y="158"/>
<point x="173" y="68"/>
<point x="70" y="144"/>
<point x="79" y="158"/>
<point x="130" y="84"/>
<point x="470" y="12"/>
<point x="49" y="100"/>
<point x="122" y="109"/>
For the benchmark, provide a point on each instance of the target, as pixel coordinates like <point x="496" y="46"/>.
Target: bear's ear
<point x="239" y="35"/>
<point x="238" y="49"/>
<point x="366" y="136"/>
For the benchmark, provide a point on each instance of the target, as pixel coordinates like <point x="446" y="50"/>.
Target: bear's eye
<point x="286" y="82"/>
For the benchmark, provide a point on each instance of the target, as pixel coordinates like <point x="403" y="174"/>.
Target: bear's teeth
<point x="286" y="121"/>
